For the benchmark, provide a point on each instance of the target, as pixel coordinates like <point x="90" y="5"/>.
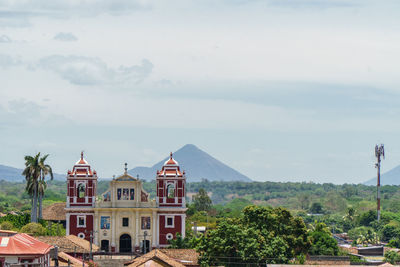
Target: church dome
<point x="171" y="161"/>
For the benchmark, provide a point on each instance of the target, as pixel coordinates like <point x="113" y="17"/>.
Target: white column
<point x="137" y="228"/>
<point x="96" y="228"/>
<point x="113" y="226"/>
<point x="154" y="230"/>
<point x="138" y="196"/>
<point x="183" y="223"/>
<point x="67" y="225"/>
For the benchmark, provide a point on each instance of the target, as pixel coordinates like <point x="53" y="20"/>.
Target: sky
<point x="279" y="90"/>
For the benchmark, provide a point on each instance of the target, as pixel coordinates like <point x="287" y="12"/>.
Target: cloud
<point x="5" y="39"/>
<point x="65" y="37"/>
<point x="19" y="113"/>
<point x="66" y="8"/>
<point x="314" y="3"/>
<point x="82" y="70"/>
<point x="7" y="61"/>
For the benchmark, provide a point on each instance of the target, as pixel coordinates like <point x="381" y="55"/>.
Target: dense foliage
<point x="262" y="235"/>
<point x="342" y="208"/>
<point x="322" y="241"/>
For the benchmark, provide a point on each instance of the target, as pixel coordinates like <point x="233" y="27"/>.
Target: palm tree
<point x="45" y="169"/>
<point x="32" y="174"/>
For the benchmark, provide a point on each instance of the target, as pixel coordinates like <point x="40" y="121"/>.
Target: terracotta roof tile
<point x="166" y="257"/>
<point x="54" y="212"/>
<point x="22" y="244"/>
<point x="69" y="244"/>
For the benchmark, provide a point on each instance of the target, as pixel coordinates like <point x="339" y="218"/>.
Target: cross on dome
<point x="82" y="168"/>
<point x="171" y="161"/>
<point x="170" y="167"/>
<point x="82" y="161"/>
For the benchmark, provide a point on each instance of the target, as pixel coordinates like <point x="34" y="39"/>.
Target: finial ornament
<point x="126" y="168"/>
<point x="170" y="155"/>
<point x="82" y="154"/>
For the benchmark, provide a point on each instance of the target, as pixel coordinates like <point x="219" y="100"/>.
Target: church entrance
<point x="145" y="246"/>
<point x="104" y="245"/>
<point x="125" y="243"/>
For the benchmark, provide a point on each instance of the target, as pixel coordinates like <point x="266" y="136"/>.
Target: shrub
<point x="394" y="243"/>
<point x="6" y="225"/>
<point x="392" y="256"/>
<point x="34" y="229"/>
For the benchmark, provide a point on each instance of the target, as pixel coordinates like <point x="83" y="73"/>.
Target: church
<point x="125" y="218"/>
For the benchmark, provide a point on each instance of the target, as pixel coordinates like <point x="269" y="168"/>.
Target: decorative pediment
<point x="125" y="177"/>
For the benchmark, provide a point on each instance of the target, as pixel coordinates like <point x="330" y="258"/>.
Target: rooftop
<point x="166" y="257"/>
<point x="22" y="244"/>
<point x="69" y="244"/>
<point x="54" y="212"/>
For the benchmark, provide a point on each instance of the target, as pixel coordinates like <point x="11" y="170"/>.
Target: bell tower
<point x="171" y="193"/>
<point x="81" y="198"/>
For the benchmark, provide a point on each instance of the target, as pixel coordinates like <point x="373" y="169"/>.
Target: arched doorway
<point x="145" y="246"/>
<point x="125" y="243"/>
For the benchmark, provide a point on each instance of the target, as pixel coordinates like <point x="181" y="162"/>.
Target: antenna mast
<point x="379" y="151"/>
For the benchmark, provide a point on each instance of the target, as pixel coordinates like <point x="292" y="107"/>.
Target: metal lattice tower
<point x="379" y="152"/>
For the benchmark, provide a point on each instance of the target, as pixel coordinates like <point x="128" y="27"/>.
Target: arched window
<point x="171" y="190"/>
<point x="81" y="190"/>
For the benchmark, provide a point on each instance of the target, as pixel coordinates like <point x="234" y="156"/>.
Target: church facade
<point x="125" y="218"/>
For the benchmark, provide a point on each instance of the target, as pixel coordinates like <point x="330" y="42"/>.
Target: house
<point x="166" y="258"/>
<point x="125" y="219"/>
<point x="64" y="259"/>
<point x="71" y="245"/>
<point x="55" y="213"/>
<point x="18" y="248"/>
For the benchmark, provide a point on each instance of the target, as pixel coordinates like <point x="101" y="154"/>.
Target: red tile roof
<point x="22" y="244"/>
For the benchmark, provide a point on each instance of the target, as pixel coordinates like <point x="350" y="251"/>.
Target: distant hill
<point x="14" y="174"/>
<point x="391" y="177"/>
<point x="197" y="164"/>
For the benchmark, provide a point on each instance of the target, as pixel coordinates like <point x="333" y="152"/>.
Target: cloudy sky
<point x="280" y="90"/>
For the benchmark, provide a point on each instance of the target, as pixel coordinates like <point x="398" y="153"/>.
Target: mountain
<point x="391" y="177"/>
<point x="14" y="174"/>
<point x="197" y="164"/>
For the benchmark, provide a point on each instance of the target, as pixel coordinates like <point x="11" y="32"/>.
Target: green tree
<point x="231" y="244"/>
<point x="304" y="200"/>
<point x="35" y="229"/>
<point x="363" y="235"/>
<point x="55" y="229"/>
<point x="35" y="172"/>
<point x="392" y="256"/>
<point x="32" y="173"/>
<point x="202" y="201"/>
<point x="322" y="241"/>
<point x="6" y="225"/>
<point x="367" y="218"/>
<point x="189" y="241"/>
<point x="45" y="170"/>
<point x="390" y="231"/>
<point x="316" y="208"/>
<point x="394" y="243"/>
<point x="262" y="235"/>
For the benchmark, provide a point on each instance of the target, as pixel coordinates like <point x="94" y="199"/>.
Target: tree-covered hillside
<point x="294" y="196"/>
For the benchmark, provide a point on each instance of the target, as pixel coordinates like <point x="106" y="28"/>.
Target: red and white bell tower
<point x="81" y="198"/>
<point x="171" y="194"/>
